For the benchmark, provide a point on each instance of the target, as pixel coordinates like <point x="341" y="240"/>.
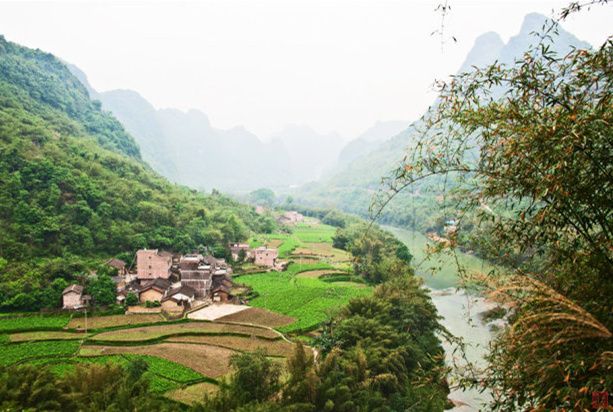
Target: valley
<point x="153" y="260"/>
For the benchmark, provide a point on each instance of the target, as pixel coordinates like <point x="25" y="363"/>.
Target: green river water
<point x="459" y="310"/>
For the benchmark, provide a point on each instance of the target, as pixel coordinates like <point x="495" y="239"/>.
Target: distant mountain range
<point x="186" y="148"/>
<point x="362" y="164"/>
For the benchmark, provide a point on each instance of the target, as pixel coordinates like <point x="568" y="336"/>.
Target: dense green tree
<point x="102" y="289"/>
<point x="30" y="388"/>
<point x="131" y="299"/>
<point x="263" y="197"/>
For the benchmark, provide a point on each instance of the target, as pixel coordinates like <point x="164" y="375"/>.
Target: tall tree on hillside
<point x="531" y="145"/>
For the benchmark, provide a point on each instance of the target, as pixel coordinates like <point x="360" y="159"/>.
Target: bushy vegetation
<point x="93" y="387"/>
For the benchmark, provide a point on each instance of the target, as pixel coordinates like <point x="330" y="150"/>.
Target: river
<point x="459" y="310"/>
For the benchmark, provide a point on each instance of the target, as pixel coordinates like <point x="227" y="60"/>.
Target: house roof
<point x="183" y="289"/>
<point x="116" y="263"/>
<point x="73" y="288"/>
<point x="221" y="288"/>
<point x="157" y="283"/>
<point x="239" y="245"/>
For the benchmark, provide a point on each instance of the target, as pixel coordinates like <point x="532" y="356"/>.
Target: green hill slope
<point x="72" y="184"/>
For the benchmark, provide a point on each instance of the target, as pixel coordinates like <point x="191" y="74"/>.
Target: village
<point x="175" y="283"/>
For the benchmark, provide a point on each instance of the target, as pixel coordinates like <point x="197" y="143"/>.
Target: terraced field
<point x="101" y="322"/>
<point x="259" y="316"/>
<point x="212" y="361"/>
<point x="149" y="333"/>
<point x="306" y="299"/>
<point x="278" y="347"/>
<point x="186" y="358"/>
<point x="45" y="335"/>
<point x="192" y="393"/>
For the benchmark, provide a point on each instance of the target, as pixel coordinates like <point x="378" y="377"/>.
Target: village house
<point x="73" y="297"/>
<point x="118" y="264"/>
<point x="264" y="256"/>
<point x="198" y="272"/>
<point x="152" y="264"/>
<point x="153" y="290"/>
<point x="290" y="218"/>
<point x="221" y="294"/>
<point x="235" y="250"/>
<point x="178" y="298"/>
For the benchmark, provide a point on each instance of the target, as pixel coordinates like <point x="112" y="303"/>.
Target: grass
<point x="319" y="273"/>
<point x="192" y="394"/>
<point x="13" y="353"/>
<point x="32" y="322"/>
<point x="45" y="335"/>
<point x="318" y="233"/>
<point x="167" y="369"/>
<point x="306" y="299"/>
<point x="147" y="333"/>
<point x="101" y="322"/>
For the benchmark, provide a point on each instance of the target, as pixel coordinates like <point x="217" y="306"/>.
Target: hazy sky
<point x="334" y="65"/>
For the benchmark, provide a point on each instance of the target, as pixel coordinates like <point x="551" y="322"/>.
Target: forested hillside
<point x="72" y="184"/>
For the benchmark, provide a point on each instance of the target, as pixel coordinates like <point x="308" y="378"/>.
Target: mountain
<point x="369" y="140"/>
<point x="187" y="149"/>
<point x="310" y="153"/>
<point x="362" y="167"/>
<point x="74" y="189"/>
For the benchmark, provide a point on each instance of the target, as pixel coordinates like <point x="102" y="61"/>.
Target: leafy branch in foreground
<point x="529" y="147"/>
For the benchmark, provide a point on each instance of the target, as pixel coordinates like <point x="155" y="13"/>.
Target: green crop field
<point x="22" y="323"/>
<point x="13" y="353"/>
<point x="305" y="299"/>
<point x="314" y="233"/>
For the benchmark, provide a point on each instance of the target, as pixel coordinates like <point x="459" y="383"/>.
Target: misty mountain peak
<point x="486" y="49"/>
<point x="533" y="22"/>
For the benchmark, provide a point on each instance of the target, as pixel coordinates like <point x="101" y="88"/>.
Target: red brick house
<point x="152" y="264"/>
